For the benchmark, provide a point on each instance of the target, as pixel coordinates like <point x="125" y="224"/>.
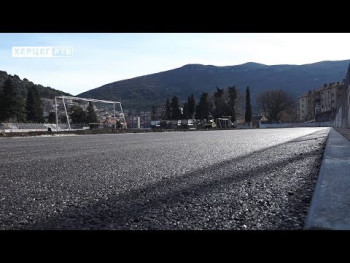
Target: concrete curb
<point x="330" y="205"/>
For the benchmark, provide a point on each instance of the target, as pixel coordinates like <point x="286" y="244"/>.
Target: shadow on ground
<point x="267" y="189"/>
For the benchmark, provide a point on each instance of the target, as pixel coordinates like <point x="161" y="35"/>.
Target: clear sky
<point x="99" y="58"/>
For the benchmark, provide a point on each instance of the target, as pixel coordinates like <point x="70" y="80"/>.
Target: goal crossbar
<point x="85" y="99"/>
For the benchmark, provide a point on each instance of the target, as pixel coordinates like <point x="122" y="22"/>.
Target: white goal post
<point x="85" y="99"/>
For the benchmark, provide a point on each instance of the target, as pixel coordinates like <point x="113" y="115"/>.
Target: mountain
<point x="141" y="92"/>
<point x="22" y="86"/>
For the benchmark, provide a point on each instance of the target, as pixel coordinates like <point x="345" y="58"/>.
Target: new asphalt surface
<point x="233" y="179"/>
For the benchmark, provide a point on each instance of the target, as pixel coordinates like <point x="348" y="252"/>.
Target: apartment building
<point x="343" y="110"/>
<point x="321" y="102"/>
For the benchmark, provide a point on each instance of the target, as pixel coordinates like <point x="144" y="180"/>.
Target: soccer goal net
<point x="108" y="113"/>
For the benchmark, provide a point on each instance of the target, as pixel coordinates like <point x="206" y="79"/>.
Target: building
<point x="343" y="110"/>
<point x="307" y="106"/>
<point x="330" y="95"/>
<point x="320" y="104"/>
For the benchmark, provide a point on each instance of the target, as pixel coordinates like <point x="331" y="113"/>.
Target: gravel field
<point x="220" y="180"/>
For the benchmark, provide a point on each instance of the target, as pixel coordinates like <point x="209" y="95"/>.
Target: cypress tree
<point x="203" y="107"/>
<point x="167" y="110"/>
<point x="91" y="116"/>
<point x="185" y="111"/>
<point x="232" y="98"/>
<point x="219" y="103"/>
<point x="248" y="106"/>
<point x="154" y="113"/>
<point x="191" y="107"/>
<point x="175" y="110"/>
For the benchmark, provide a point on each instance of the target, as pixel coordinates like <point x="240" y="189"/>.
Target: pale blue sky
<point x="101" y="58"/>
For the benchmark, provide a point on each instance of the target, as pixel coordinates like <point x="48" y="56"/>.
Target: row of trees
<point x="14" y="107"/>
<point x="77" y="115"/>
<point x="223" y="102"/>
<point x="276" y="105"/>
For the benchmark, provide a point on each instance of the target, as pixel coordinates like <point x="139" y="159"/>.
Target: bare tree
<point x="275" y="104"/>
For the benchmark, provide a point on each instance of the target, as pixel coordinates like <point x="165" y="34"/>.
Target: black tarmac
<point x="220" y="180"/>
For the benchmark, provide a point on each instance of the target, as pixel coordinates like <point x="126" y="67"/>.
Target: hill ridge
<point x="141" y="92"/>
<point x="23" y="84"/>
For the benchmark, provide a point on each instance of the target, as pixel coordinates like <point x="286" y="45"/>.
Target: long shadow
<point x="135" y="206"/>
